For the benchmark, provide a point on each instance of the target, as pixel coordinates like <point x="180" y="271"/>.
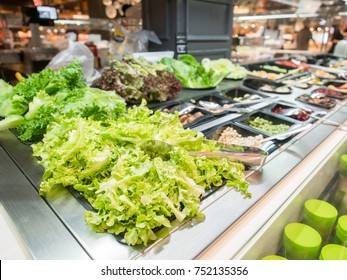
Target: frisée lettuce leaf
<point x="192" y="74"/>
<point x="42" y="97"/>
<point x="236" y="71"/>
<point x="133" y="193"/>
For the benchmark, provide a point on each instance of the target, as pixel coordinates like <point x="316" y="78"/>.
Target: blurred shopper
<point x="335" y="37"/>
<point x="304" y="36"/>
<point x="272" y="34"/>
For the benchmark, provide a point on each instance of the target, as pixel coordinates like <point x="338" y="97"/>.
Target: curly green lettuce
<point x="132" y="192"/>
<point x="40" y="98"/>
<point x="194" y="75"/>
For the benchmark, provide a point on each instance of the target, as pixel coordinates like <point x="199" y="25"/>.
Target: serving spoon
<point x="296" y="111"/>
<point x="296" y="128"/>
<point x="247" y="155"/>
<point x="187" y="107"/>
<point x="210" y="105"/>
<point x="251" y="98"/>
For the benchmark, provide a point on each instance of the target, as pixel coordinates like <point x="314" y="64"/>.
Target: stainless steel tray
<point x="54" y="227"/>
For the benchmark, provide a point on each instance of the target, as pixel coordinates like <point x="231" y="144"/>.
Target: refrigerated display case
<point x="53" y="227"/>
<point x="260" y="231"/>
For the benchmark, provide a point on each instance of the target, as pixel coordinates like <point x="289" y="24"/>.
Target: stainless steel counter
<point x="54" y="227"/>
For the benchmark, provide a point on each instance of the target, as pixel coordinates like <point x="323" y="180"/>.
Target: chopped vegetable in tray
<point x="266" y="75"/>
<point x="267" y="126"/>
<point x="340" y="88"/>
<point x="324" y="74"/>
<point x="301" y="116"/>
<point x="231" y="136"/>
<point x="189" y="118"/>
<point x="318" y="100"/>
<point x="132" y="191"/>
<point x="275" y="68"/>
<point x="292" y="64"/>
<point x="330" y="92"/>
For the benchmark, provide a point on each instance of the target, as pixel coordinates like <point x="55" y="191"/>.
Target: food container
<point x="274" y="258"/>
<point x="341" y="231"/>
<point x="320" y="215"/>
<point x="335" y="84"/>
<point x="318" y="100"/>
<point x="268" y="117"/>
<point x="216" y="98"/>
<point x="191" y="119"/>
<point x="290" y="63"/>
<point x="272" y="70"/>
<point x="229" y="132"/>
<point x="271" y="67"/>
<point x="321" y="74"/>
<point x="242" y="95"/>
<point x="301" y="242"/>
<point x="333" y="252"/>
<point x="279" y="107"/>
<point x="331" y="92"/>
<point x="266" y="86"/>
<point x="299" y="80"/>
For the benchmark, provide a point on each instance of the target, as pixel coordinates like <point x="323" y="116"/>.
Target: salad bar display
<point x="135" y="167"/>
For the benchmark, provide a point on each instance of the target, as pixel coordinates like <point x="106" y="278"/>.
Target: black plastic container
<point x="275" y="119"/>
<point x="259" y="84"/>
<point x="309" y="99"/>
<point x="237" y="94"/>
<point x="206" y="115"/>
<point x="267" y="66"/>
<point x="335" y="83"/>
<point x="337" y="94"/>
<point x="216" y="98"/>
<point x="215" y="132"/>
<point x="276" y="108"/>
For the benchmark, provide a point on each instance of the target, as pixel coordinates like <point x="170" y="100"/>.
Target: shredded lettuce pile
<point x="133" y="192"/>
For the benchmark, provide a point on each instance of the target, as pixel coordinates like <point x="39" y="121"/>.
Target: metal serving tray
<point x="54" y="227"/>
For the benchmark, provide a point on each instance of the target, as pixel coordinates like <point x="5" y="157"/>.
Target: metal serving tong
<point x="249" y="156"/>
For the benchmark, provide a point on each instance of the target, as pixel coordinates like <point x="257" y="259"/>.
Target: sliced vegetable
<point x="267" y="126"/>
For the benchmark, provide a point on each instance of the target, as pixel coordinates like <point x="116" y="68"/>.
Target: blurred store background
<point x="245" y="30"/>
